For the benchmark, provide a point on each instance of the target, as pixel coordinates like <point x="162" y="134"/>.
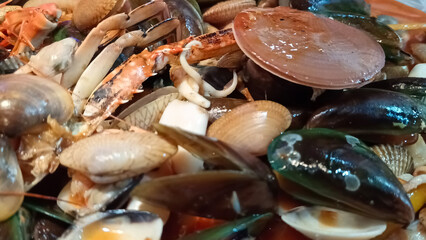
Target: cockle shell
<point x="224" y="12"/>
<point x="252" y="126"/>
<point x="397" y="158"/>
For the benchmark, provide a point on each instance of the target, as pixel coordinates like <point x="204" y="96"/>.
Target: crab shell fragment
<point x="307" y="49"/>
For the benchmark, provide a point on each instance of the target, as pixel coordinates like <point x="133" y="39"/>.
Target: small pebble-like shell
<point x="397" y="158"/>
<point x="224" y="12"/>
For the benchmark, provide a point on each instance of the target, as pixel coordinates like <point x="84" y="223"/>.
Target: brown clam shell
<point x="87" y="14"/>
<point x="397" y="158"/>
<point x="223" y="12"/>
<point x="252" y="126"/>
<point x="306" y="49"/>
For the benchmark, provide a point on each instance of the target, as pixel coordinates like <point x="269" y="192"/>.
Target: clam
<point x="331" y="224"/>
<point x="116" y="224"/>
<point x="307" y="49"/>
<point x="147" y="110"/>
<point x="26" y="101"/>
<point x="115" y="155"/>
<point x="333" y="169"/>
<point x="397" y="158"/>
<point x="369" y="112"/>
<point x="252" y="126"/>
<point x="224" y="12"/>
<point x="87" y="14"/>
<point x="11" y="180"/>
<point x="221" y="194"/>
<point x="220" y="106"/>
<point x="418" y="152"/>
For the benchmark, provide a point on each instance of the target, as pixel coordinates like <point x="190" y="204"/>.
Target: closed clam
<point x="224" y="12"/>
<point x="252" y="126"/>
<point x="397" y="158"/>
<point x="114" y="155"/>
<point x="87" y="14"/>
<point x="26" y="101"/>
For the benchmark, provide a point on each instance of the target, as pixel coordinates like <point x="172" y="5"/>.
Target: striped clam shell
<point x="397" y="158"/>
<point x="224" y="12"/>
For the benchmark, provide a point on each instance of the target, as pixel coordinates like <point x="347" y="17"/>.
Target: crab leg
<point x="94" y="74"/>
<point x="90" y="44"/>
<point x="120" y="85"/>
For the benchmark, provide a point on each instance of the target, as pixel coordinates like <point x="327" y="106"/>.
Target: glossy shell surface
<point x="306" y="49"/>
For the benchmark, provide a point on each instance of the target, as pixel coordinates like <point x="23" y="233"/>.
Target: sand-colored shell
<point x="252" y="126"/>
<point x="224" y="12"/>
<point x="397" y="158"/>
<point x="87" y="14"/>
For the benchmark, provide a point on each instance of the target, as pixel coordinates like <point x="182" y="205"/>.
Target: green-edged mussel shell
<point x="414" y="87"/>
<point x="370" y="111"/>
<point x="340" y="168"/>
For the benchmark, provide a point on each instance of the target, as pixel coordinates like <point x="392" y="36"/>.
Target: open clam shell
<point x="331" y="224"/>
<point x="252" y="126"/>
<point x="116" y="224"/>
<point x="397" y="158"/>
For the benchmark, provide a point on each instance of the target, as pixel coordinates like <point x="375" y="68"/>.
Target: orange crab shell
<point x="28" y="26"/>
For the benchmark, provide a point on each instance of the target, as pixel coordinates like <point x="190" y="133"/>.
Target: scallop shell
<point x="252" y="126"/>
<point x="223" y="12"/>
<point x="87" y="14"/>
<point x="397" y="158"/>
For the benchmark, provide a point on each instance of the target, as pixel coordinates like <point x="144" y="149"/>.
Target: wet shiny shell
<point x="114" y="155"/>
<point x="252" y="126"/>
<point x="339" y="171"/>
<point x="307" y="49"/>
<point x="224" y="12"/>
<point x="27" y="101"/>
<point x="397" y="158"/>
<point x="87" y="14"/>
<point x="147" y="110"/>
<point x="10" y="180"/>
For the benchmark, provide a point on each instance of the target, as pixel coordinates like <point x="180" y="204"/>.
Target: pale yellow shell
<point x="251" y="126"/>
<point x="397" y="158"/>
<point x="224" y="12"/>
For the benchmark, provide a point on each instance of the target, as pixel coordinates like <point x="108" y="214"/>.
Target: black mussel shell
<point x="213" y="194"/>
<point x="414" y="87"/>
<point x="340" y="168"/>
<point x="370" y="111"/>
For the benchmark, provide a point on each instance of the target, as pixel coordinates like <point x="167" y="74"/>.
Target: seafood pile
<point x="202" y="119"/>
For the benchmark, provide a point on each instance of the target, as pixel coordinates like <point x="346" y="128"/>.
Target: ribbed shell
<point x="397" y="158"/>
<point x="88" y="14"/>
<point x="224" y="12"/>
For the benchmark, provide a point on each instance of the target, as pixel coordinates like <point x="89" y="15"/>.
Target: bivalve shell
<point x="224" y="12"/>
<point x="397" y="158"/>
<point x="252" y="126"/>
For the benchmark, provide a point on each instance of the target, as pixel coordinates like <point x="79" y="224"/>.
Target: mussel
<point x="11" y="180"/>
<point x="331" y="224"/>
<point x="116" y="224"/>
<point x="342" y="171"/>
<point x="370" y="111"/>
<point x="27" y="100"/>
